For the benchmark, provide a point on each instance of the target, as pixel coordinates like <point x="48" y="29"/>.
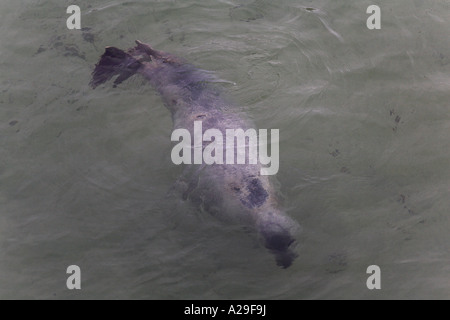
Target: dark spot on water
<point x="81" y="108"/>
<point x="88" y="37"/>
<point x="73" y="51"/>
<point x="444" y="60"/>
<point x="345" y="170"/>
<point x="13" y="123"/>
<point x="71" y="101"/>
<point x="335" y="153"/>
<point x="40" y="50"/>
<point x="396" y="120"/>
<point x="402" y="200"/>
<point x="336" y="263"/>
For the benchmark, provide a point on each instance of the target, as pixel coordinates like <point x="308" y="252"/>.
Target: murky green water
<point x="364" y="119"/>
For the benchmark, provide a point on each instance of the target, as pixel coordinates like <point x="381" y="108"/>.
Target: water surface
<point x="364" y="152"/>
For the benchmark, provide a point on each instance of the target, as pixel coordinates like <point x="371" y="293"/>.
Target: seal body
<point x="231" y="192"/>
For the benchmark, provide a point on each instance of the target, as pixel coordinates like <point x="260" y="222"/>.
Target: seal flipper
<point x="114" y="62"/>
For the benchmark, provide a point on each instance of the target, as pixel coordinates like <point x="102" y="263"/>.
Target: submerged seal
<point x="236" y="192"/>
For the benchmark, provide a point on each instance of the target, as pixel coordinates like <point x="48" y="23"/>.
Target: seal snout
<point x="280" y="242"/>
<point x="279" y="245"/>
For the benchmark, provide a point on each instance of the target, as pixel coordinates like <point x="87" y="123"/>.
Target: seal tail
<point x="114" y="62"/>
